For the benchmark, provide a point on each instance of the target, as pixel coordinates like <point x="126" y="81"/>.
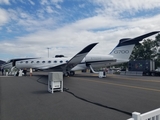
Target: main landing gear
<point x="69" y="73"/>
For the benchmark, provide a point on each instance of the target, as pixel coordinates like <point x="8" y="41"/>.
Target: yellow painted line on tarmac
<point x="116" y="76"/>
<point x="122" y="85"/>
<point x="156" y="81"/>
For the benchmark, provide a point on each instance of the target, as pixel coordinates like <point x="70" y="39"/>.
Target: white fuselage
<point x="45" y="63"/>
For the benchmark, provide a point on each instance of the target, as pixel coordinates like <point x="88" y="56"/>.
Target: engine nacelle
<point x="96" y="58"/>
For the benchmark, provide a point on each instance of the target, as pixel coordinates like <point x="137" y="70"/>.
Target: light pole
<point x="48" y="51"/>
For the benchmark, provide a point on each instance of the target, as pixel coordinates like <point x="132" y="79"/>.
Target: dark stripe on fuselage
<point x="98" y="61"/>
<point x="19" y="59"/>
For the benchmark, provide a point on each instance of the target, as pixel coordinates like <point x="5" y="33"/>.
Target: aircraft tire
<point x="72" y="73"/>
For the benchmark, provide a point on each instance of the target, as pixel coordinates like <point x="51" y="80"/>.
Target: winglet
<point x="87" y="48"/>
<point x="79" y="56"/>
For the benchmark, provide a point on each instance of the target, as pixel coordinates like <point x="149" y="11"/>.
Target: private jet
<point x="81" y="61"/>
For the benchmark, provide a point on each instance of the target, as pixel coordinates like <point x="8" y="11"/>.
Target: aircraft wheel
<point x="153" y="74"/>
<point x="72" y="73"/>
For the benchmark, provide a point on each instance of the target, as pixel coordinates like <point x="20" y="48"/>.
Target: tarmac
<point x="85" y="97"/>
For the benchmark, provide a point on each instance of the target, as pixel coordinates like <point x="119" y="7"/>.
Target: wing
<point x="72" y="62"/>
<point x="79" y="57"/>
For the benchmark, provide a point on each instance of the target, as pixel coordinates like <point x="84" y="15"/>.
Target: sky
<point x="29" y="27"/>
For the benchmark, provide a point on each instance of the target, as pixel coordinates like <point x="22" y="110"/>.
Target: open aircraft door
<point x="13" y="63"/>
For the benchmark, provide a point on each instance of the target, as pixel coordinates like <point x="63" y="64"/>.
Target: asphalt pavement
<point x="85" y="97"/>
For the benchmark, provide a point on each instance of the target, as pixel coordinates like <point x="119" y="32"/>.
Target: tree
<point x="157" y="44"/>
<point x="147" y="50"/>
<point x="143" y="50"/>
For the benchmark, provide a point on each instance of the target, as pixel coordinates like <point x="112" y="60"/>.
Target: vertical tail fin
<point x="125" y="46"/>
<point x="122" y="52"/>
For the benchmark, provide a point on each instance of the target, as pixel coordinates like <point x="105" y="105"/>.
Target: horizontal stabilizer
<point x="136" y="40"/>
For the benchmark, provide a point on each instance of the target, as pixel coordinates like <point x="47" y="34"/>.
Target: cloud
<point x="4" y="2"/>
<point x="71" y="38"/>
<point x="79" y="33"/>
<point x="31" y="2"/>
<point x="43" y="2"/>
<point x="53" y="2"/>
<point x="125" y="4"/>
<point x="81" y="5"/>
<point x="97" y="22"/>
<point x="31" y="22"/>
<point x="56" y="1"/>
<point x="116" y="7"/>
<point x="146" y="23"/>
<point x="3" y="17"/>
<point x="49" y="9"/>
<point x="68" y="30"/>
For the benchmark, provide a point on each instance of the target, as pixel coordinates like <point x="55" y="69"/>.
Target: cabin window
<point x="21" y="61"/>
<point x="66" y="61"/>
<point x="61" y="61"/>
<point x="32" y="61"/>
<point x="43" y="61"/>
<point x="37" y="61"/>
<point x="49" y="61"/>
<point x="55" y="61"/>
<point x="26" y="61"/>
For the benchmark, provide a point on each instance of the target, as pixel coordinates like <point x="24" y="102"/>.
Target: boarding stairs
<point x="102" y="74"/>
<point x="13" y="72"/>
